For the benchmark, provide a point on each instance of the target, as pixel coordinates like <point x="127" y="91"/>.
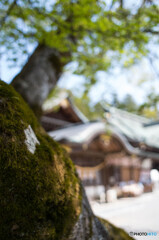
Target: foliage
<point x="151" y="106"/>
<point x="40" y="193"/>
<point x="96" y="111"/>
<point x="148" y="109"/>
<point x="83" y="102"/>
<point x="92" y="112"/>
<point x="127" y="104"/>
<point x="90" y="32"/>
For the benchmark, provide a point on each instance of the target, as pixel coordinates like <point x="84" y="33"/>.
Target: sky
<point x="137" y="81"/>
<point x="119" y="81"/>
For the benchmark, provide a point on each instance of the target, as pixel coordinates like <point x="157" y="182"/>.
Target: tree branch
<point x="2" y="22"/>
<point x="152" y="65"/>
<point x="121" y="3"/>
<point x="148" y="30"/>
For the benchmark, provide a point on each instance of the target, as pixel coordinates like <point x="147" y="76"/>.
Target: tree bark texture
<point x="39" y="76"/>
<point x="88" y="226"/>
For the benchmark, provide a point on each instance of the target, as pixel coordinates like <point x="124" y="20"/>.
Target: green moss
<point x="40" y="192"/>
<point x="115" y="233"/>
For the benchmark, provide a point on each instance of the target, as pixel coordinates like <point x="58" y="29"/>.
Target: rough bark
<point x="39" y="76"/>
<point x="88" y="226"/>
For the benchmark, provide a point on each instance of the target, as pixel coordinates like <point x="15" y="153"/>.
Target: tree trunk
<point x="41" y="195"/>
<point x="88" y="226"/>
<point x="39" y="76"/>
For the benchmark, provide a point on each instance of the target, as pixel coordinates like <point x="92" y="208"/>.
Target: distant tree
<point x="91" y="111"/>
<point x="149" y="109"/>
<point x="151" y="106"/>
<point x="128" y="103"/>
<point x="82" y="102"/>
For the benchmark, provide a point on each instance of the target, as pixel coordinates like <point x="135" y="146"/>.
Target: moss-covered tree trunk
<point x="41" y="197"/>
<point x="39" y="76"/>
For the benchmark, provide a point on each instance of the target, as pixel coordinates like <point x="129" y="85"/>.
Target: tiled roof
<point x="79" y="133"/>
<point x="126" y="127"/>
<point x="135" y="128"/>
